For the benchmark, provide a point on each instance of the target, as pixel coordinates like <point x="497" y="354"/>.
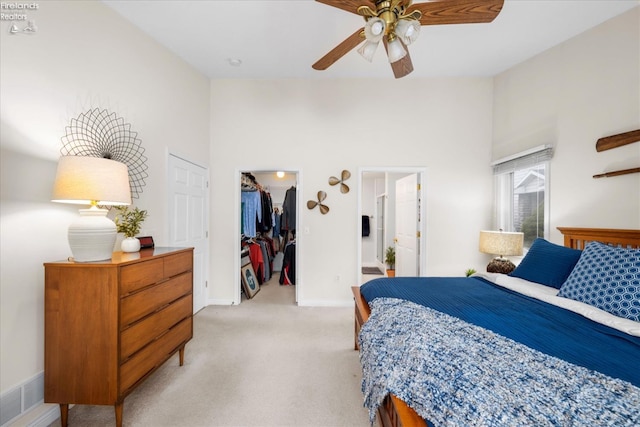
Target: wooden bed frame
<point x="394" y="412"/>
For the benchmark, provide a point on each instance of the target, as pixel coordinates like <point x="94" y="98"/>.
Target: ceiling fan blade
<point x="402" y="67"/>
<point x="349" y="5"/>
<point x="457" y="11"/>
<point x="339" y="51"/>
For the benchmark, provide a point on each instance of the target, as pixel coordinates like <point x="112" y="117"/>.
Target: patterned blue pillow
<point x="608" y="278"/>
<point x="547" y="263"/>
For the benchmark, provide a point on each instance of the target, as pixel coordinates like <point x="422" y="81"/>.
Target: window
<point x="522" y="193"/>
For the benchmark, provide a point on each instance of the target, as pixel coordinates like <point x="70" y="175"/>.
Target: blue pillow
<point x="547" y="263"/>
<point x="608" y="278"/>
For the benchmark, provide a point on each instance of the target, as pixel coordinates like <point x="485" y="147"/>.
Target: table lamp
<point x="501" y="243"/>
<point x="92" y="181"/>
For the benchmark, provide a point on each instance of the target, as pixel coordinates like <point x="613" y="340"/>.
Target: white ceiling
<point x="283" y="38"/>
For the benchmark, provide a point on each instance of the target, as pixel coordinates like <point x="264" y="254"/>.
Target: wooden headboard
<point x="578" y="238"/>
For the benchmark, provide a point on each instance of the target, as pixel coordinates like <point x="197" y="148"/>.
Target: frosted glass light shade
<point x="91" y="181"/>
<point x="501" y="243"/>
<point x="368" y="49"/>
<point x="374" y="29"/>
<point x="395" y="50"/>
<point x="408" y="30"/>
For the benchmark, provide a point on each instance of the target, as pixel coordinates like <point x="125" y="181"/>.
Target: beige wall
<point x="83" y="56"/>
<point x="570" y="96"/>
<point x="321" y="127"/>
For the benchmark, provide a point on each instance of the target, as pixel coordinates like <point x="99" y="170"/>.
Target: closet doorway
<point x="391" y="200"/>
<point x="274" y="237"/>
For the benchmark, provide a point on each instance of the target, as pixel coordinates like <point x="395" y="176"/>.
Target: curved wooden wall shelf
<point x="615" y="141"/>
<point x="617" y="173"/>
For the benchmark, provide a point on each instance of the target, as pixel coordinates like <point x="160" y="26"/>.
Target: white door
<point x="188" y="219"/>
<point x="407" y="227"/>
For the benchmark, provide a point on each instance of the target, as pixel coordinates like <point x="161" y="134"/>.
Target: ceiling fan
<point x="396" y="23"/>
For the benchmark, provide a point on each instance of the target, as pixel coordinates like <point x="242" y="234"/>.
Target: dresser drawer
<point x="178" y="263"/>
<point x="151" y="327"/>
<point x="154" y="354"/>
<point x="137" y="276"/>
<point x="140" y="304"/>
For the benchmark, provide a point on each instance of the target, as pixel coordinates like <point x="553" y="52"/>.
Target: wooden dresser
<point x="111" y="324"/>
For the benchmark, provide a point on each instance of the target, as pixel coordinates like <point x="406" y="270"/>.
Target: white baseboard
<point x="220" y="302"/>
<point x="42" y="415"/>
<point x="18" y="405"/>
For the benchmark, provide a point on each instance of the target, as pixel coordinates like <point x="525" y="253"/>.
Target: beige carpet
<point x="265" y="362"/>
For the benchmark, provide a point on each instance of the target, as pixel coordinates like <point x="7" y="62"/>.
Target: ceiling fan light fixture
<point x="374" y="29"/>
<point x="395" y="50"/>
<point x="408" y="30"/>
<point x="368" y="49"/>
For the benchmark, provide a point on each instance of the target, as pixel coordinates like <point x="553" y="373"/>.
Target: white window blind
<point x="522" y="193"/>
<point x="523" y="160"/>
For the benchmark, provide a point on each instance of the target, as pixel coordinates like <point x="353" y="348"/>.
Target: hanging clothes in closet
<point x="250" y="205"/>
<point x="261" y="254"/>
<point x="277" y="216"/>
<point x="288" y="272"/>
<point x="251" y="212"/>
<point x="288" y="222"/>
<point x="265" y="224"/>
<point x="256" y="207"/>
<point x="256" y="223"/>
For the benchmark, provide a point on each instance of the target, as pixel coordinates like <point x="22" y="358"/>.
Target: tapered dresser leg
<point x="181" y="352"/>
<point x="64" y="414"/>
<point x="118" y="408"/>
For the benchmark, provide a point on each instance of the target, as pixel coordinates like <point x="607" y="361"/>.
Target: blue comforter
<point x="541" y="326"/>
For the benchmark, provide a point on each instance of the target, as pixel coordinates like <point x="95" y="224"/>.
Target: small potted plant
<point x="128" y="222"/>
<point x="390" y="260"/>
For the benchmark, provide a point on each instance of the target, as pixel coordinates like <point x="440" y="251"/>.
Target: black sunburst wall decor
<point x="99" y="133"/>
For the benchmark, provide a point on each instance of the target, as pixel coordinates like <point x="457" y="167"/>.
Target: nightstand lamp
<point x="501" y="243"/>
<point x="96" y="182"/>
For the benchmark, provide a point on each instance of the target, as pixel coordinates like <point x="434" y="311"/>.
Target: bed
<point x="494" y="349"/>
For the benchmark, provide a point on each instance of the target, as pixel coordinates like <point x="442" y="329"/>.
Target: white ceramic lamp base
<point x="92" y="236"/>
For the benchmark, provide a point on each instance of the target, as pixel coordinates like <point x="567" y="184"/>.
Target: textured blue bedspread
<point x="536" y="324"/>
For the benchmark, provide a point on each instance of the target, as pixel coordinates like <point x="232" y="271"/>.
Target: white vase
<point x="130" y="244"/>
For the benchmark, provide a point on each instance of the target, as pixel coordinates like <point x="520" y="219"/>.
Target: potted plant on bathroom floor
<point x="128" y="222"/>
<point x="390" y="260"/>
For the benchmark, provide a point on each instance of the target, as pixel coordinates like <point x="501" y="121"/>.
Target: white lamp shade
<point x="84" y="180"/>
<point x="501" y="243"/>
<point x="408" y="30"/>
<point x="395" y="50"/>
